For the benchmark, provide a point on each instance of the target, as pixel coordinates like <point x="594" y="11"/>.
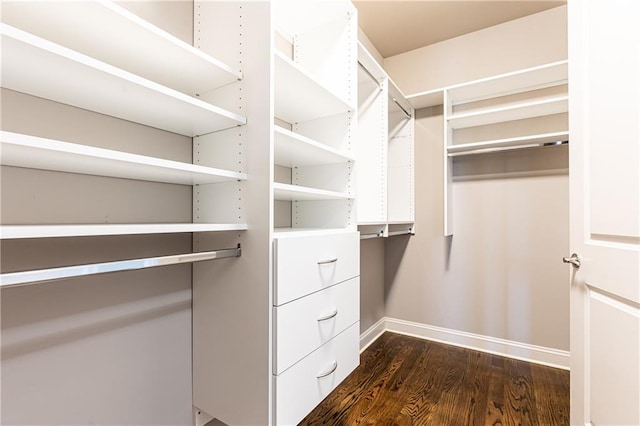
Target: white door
<point x="604" y="123"/>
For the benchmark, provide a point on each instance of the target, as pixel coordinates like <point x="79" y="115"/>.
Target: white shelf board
<point x="308" y="232"/>
<point x="554" y="105"/>
<point x="32" y="152"/>
<point x="105" y="31"/>
<point x="286" y="192"/>
<point x="292" y="149"/>
<point x="296" y="17"/>
<point x="84" y="230"/>
<point x="522" y="141"/>
<point x="299" y="97"/>
<point x="426" y="99"/>
<point x="547" y="75"/>
<point x="40" y="68"/>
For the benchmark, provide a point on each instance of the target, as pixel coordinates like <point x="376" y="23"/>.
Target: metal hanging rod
<point x="403" y="232"/>
<point x="369" y="74"/>
<point x="371" y="235"/>
<point x="488" y="150"/>
<point x="14" y="279"/>
<point x="402" y="108"/>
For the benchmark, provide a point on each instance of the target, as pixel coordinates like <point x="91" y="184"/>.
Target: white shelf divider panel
<point x="538" y="108"/>
<point x="293" y="17"/>
<point x="292" y="149"/>
<point x="498" y="144"/>
<point x="50" y="231"/>
<point x="547" y="75"/>
<point x="286" y="192"/>
<point x="299" y="97"/>
<point x="20" y="150"/>
<point x="40" y="68"/>
<point x="105" y="31"/>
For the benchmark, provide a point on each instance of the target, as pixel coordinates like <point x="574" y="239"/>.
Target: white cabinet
<point x="316" y="247"/>
<point x="385" y="168"/>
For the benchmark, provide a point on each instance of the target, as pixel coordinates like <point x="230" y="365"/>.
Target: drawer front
<point x="305" y="324"/>
<point x="299" y="389"/>
<point x="304" y="265"/>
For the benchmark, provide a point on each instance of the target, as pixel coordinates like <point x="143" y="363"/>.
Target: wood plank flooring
<point x="403" y="380"/>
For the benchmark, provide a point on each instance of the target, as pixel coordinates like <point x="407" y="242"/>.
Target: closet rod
<point x="371" y="235"/>
<point x="506" y="148"/>
<point x="403" y="232"/>
<point x="14" y="279"/>
<point x="402" y="108"/>
<point x="370" y="75"/>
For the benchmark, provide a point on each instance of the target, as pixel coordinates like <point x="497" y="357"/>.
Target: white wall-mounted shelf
<point x="537" y="108"/>
<point x="291" y="81"/>
<point x="108" y="32"/>
<point x="38" y="67"/>
<point x="292" y="149"/>
<point x="427" y="98"/>
<point x="507" y="143"/>
<point x="20" y="150"/>
<point x="286" y="192"/>
<point x="547" y="75"/>
<point x="92" y="230"/>
<point x="370" y="65"/>
<point x="461" y="113"/>
<point x="307" y="232"/>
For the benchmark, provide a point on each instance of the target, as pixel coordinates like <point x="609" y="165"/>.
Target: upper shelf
<point x="518" y="111"/>
<point x="427" y="99"/>
<point x="107" y="32"/>
<point x="547" y="75"/>
<point x="291" y="82"/>
<point x="8" y="232"/>
<point x="38" y="153"/>
<point x="292" y="149"/>
<point x="371" y="66"/>
<point x="41" y="68"/>
<point x="553" y="74"/>
<point x="287" y="192"/>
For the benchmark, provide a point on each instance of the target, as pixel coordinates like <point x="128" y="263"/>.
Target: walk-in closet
<point x="211" y="209"/>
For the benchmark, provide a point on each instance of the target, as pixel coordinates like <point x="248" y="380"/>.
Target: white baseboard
<point x="372" y="333"/>
<point x="507" y="348"/>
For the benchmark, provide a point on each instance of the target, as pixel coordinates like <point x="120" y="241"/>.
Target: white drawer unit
<point x="305" y="384"/>
<point x="304" y="265"/>
<point x="305" y="324"/>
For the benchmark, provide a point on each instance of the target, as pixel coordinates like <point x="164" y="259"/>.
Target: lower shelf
<point x="49" y="231"/>
<point x="306" y="232"/>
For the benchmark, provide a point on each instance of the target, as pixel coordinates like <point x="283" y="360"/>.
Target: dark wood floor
<point x="403" y="380"/>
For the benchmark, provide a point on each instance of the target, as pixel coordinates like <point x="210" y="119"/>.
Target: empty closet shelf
<point x="110" y="33"/>
<point x="20" y="150"/>
<point x="292" y="149"/>
<point x="8" y="232"/>
<point x="538" y="108"/>
<point x="318" y="101"/>
<point x="286" y="192"/>
<point x="52" y="274"/>
<point x="38" y="67"/>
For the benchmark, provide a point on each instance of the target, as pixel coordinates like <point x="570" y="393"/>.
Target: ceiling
<point x="395" y="26"/>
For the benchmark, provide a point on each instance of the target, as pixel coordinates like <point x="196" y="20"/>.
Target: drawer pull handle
<point x="328" y="317"/>
<point x="324" y="262"/>
<point x="329" y="371"/>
